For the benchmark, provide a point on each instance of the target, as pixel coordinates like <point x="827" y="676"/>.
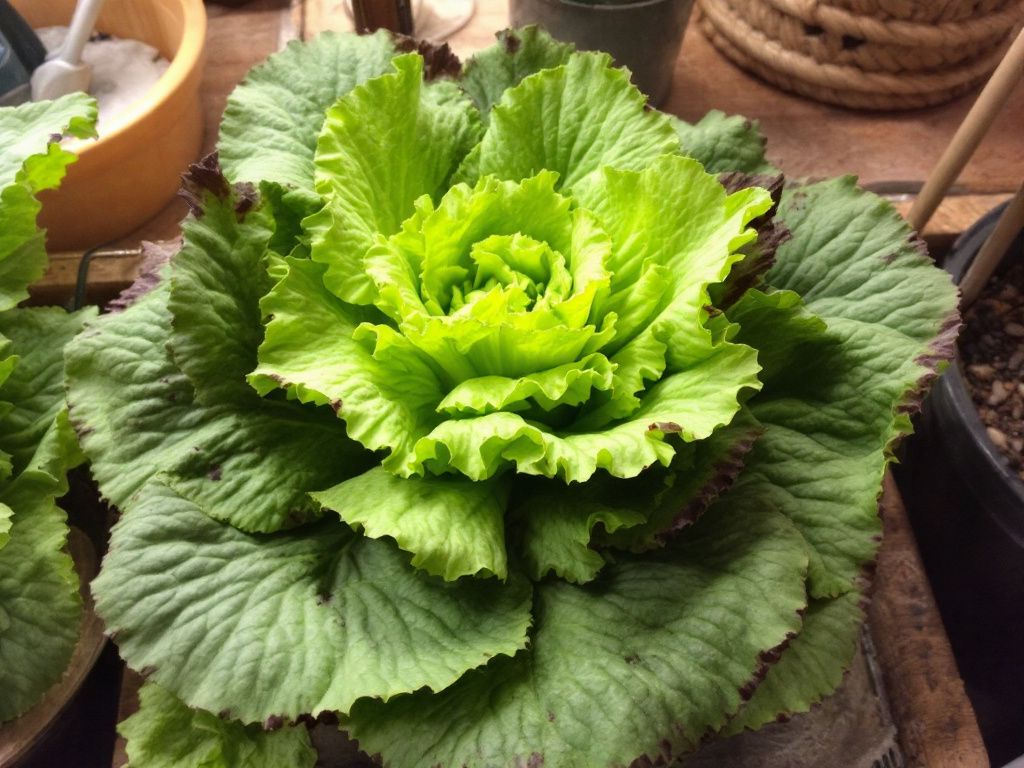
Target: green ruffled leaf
<point x="36" y="385"/>
<point x="570" y="384"/>
<point x="248" y="463"/>
<point x="832" y="415"/>
<point x="564" y="529"/>
<point x="811" y="666"/>
<point x="382" y="146"/>
<point x="216" y="283"/>
<point x="29" y="163"/>
<point x="518" y="53"/>
<point x="452" y="527"/>
<point x="272" y="120"/>
<point x="688" y="405"/>
<point x="664" y="260"/>
<point x="40" y="606"/>
<point x="547" y="121"/>
<point x="255" y="626"/>
<point x="557" y="527"/>
<point x="782" y="330"/>
<point x="724" y="143"/>
<point x="31" y="388"/>
<point x="643" y="661"/>
<point x="164" y="733"/>
<point x="385" y="394"/>
<point x="674" y="498"/>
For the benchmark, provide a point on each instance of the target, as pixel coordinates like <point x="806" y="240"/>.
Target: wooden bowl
<point x="123" y="179"/>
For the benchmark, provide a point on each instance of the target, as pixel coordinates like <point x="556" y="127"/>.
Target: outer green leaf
<point x="35" y="387"/>
<point x="812" y="665"/>
<point x="216" y="283"/>
<point x="382" y="146"/>
<point x="724" y="143"/>
<point x="517" y="54"/>
<point x="273" y="118"/>
<point x="248" y="463"/>
<point x="643" y="661"/>
<point x="254" y="626"/>
<point x="40" y="605"/>
<point x="30" y="163"/>
<point x="164" y="733"/>
<point x="32" y="380"/>
<point x="831" y="417"/>
<point x="548" y="122"/>
<point x="27" y="131"/>
<point x="452" y="527"/>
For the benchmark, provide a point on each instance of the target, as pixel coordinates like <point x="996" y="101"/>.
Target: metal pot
<point x="643" y="36"/>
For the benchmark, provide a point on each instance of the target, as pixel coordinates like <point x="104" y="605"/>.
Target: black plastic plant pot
<point x="967" y="507"/>
<point x="999" y="491"/>
<point x="644" y="36"/>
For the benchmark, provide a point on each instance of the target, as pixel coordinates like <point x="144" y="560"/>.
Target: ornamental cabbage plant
<point x="499" y="416"/>
<point x="40" y="605"/>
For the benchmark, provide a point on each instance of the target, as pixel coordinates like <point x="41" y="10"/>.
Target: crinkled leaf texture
<point x="30" y="163"/>
<point x="301" y="621"/>
<point x="502" y="306"/>
<point x="272" y="120"/>
<point x="725" y="143"/>
<point x="518" y="54"/>
<point x="803" y="466"/>
<point x="453" y="527"/>
<point x="832" y="413"/>
<point x="165" y="733"/>
<point x="642" y="661"/>
<point x="247" y="461"/>
<point x="39" y="599"/>
<point x="514" y="283"/>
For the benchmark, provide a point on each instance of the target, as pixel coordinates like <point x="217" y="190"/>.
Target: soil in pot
<point x="992" y="348"/>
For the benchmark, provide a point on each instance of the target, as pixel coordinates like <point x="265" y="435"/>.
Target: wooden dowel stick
<point x="1007" y="228"/>
<point x="969" y="134"/>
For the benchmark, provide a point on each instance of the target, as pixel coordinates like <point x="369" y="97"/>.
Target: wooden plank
<point x="937" y="726"/>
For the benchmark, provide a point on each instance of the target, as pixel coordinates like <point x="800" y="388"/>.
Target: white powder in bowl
<point x="122" y="72"/>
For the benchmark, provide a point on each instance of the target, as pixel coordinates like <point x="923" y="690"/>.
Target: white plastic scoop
<point x="64" y="71"/>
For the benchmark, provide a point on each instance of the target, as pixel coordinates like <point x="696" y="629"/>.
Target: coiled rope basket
<point x="865" y="54"/>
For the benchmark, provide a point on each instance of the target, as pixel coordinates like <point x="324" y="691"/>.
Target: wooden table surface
<point x="891" y="152"/>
